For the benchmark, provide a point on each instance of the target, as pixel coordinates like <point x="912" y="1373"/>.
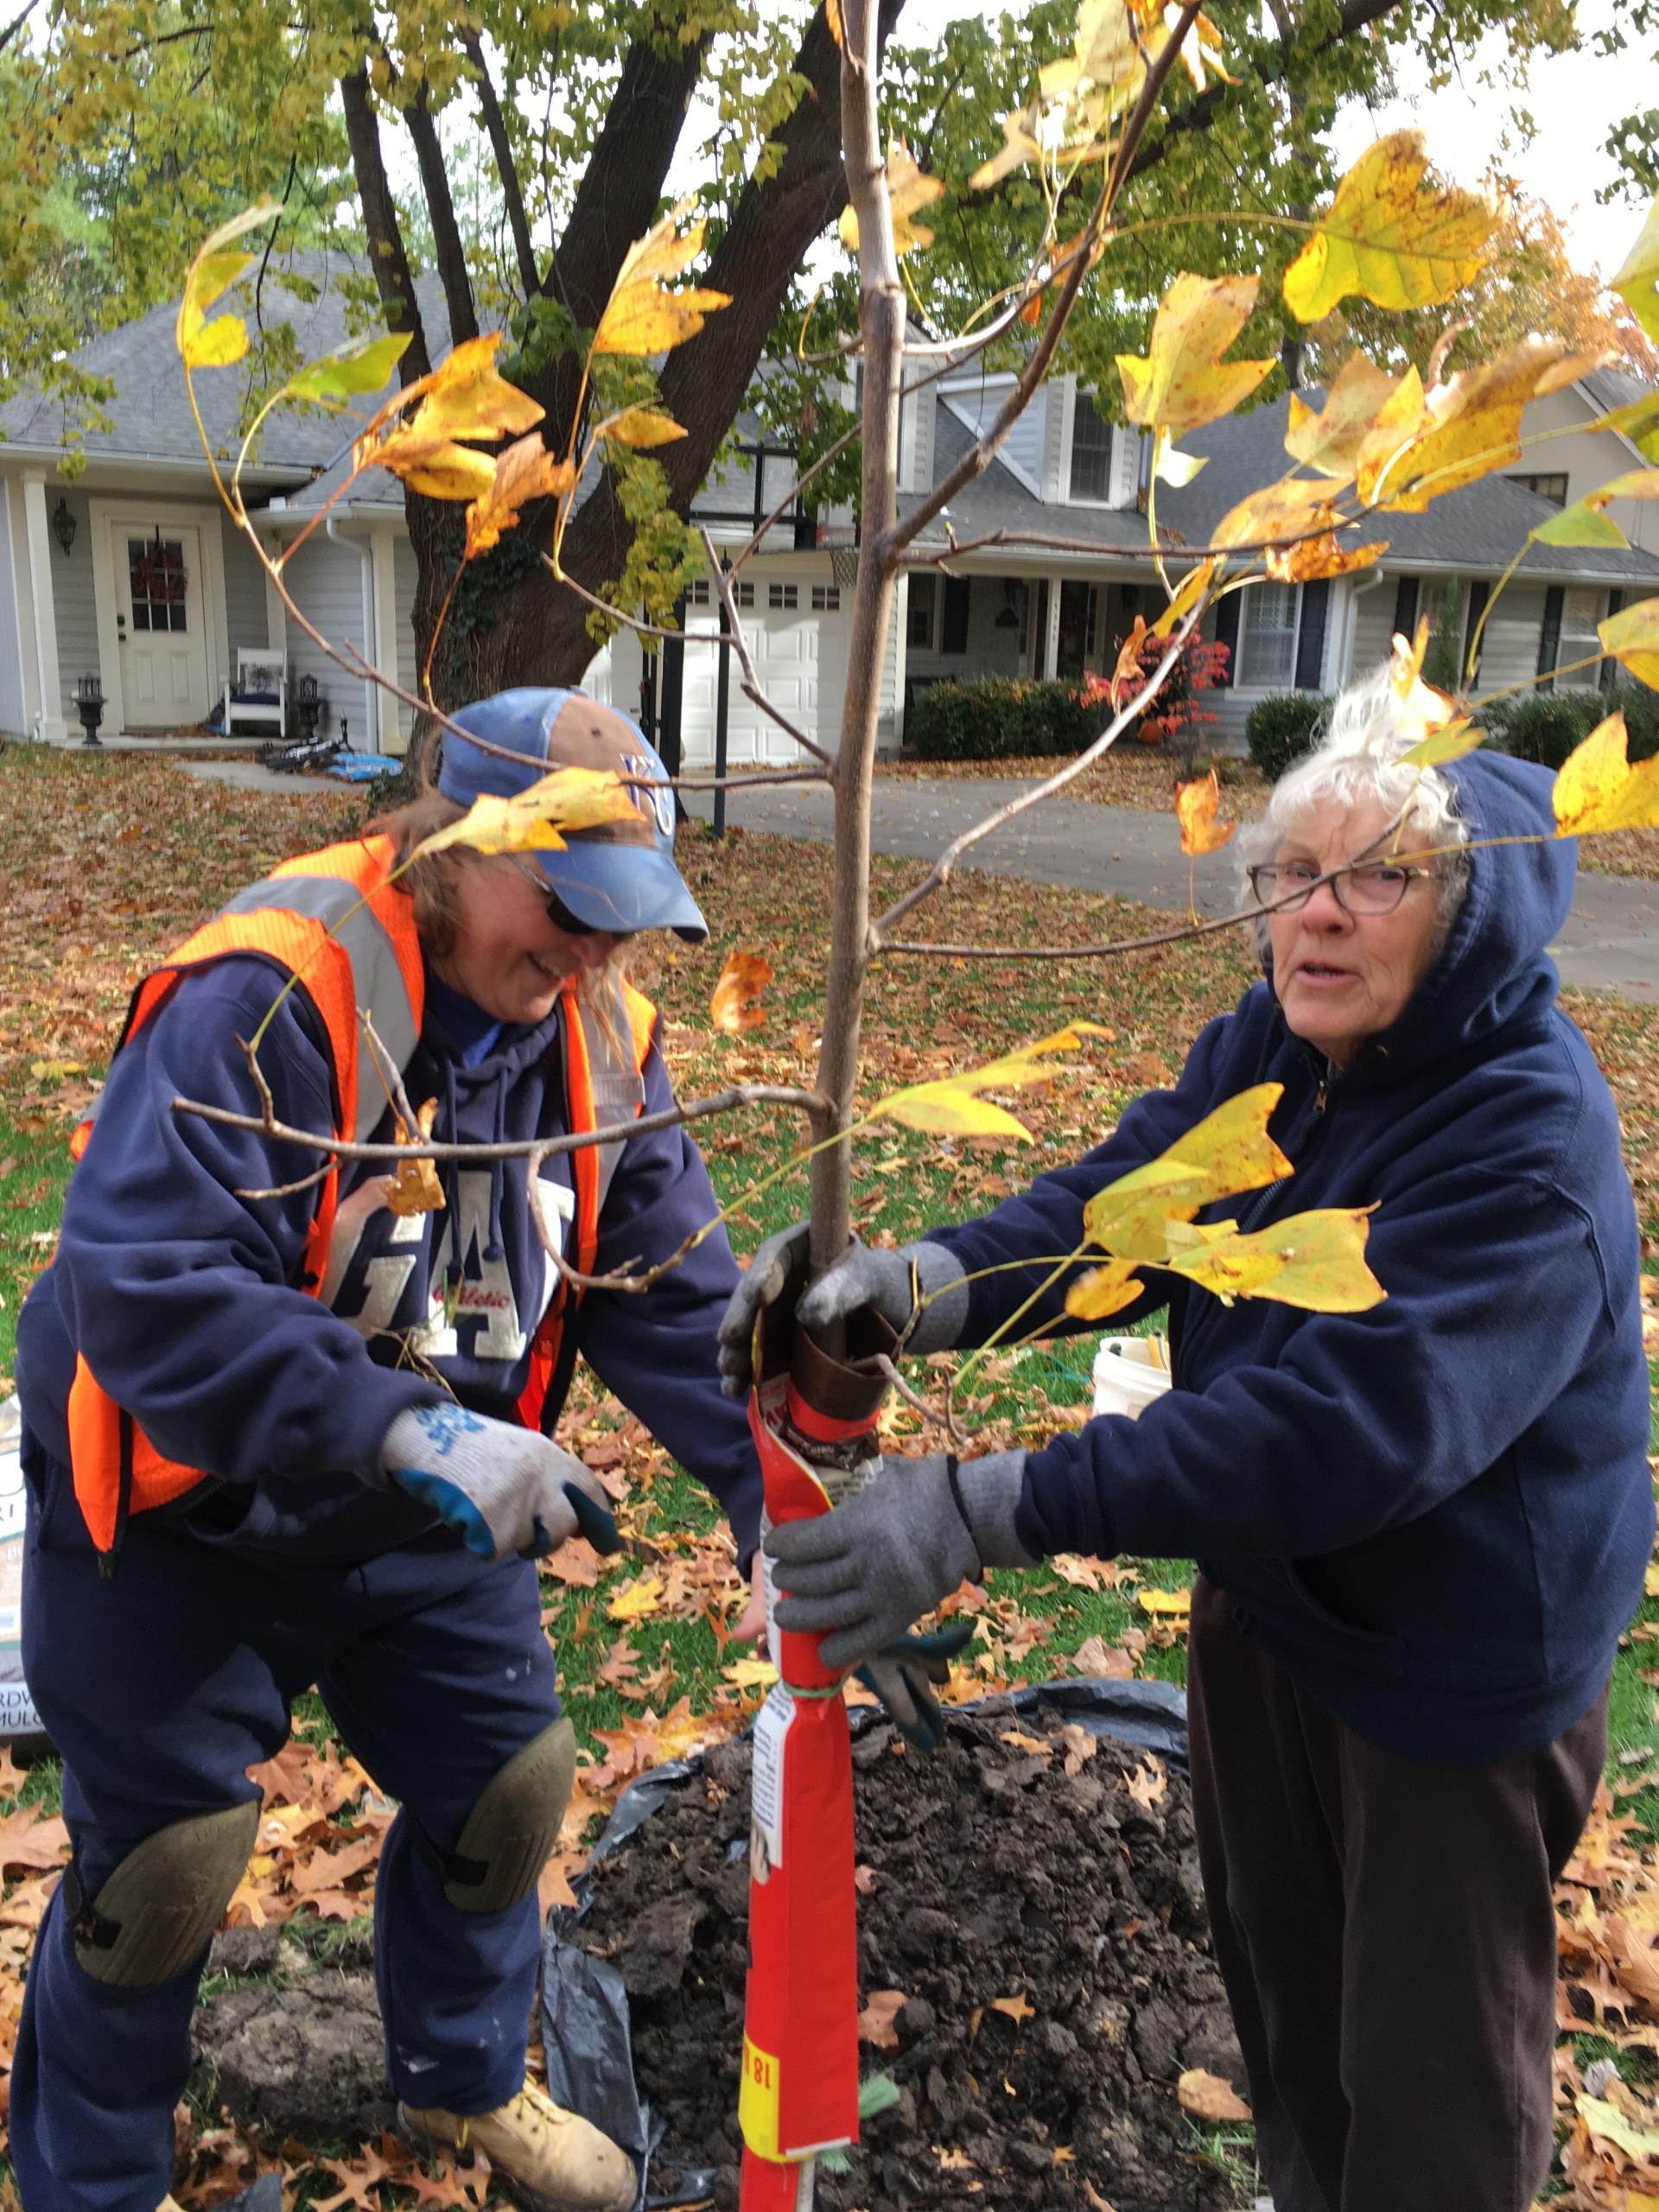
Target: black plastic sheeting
<point x="585" y="2027"/>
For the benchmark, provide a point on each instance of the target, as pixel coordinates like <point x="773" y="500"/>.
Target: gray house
<point x="133" y="573"/>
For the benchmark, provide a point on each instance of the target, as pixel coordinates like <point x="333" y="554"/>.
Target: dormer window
<point x="1091" y="452"/>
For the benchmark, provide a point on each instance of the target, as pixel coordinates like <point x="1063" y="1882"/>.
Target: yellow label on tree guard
<point x="757" y="2101"/>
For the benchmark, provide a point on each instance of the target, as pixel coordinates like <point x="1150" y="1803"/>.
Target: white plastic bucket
<point x="1129" y="1373"/>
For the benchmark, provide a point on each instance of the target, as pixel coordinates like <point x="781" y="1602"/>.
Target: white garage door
<point x="795" y="625"/>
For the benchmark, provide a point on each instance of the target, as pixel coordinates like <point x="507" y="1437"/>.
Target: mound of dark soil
<point x="1014" y="1868"/>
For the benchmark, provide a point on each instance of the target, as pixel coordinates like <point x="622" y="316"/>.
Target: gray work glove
<point x="906" y="1674"/>
<point x="505" y="1489"/>
<point x="893" y="1284"/>
<point x="858" y="1577"/>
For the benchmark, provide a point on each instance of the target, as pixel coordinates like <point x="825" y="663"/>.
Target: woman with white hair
<point x="1421" y="1528"/>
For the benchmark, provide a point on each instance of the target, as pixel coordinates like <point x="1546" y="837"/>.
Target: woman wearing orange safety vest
<point x="279" y="1432"/>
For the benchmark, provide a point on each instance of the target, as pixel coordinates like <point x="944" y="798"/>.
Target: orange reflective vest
<point x="334" y="922"/>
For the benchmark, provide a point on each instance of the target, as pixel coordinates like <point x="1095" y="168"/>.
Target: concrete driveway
<point x="1610" y="942"/>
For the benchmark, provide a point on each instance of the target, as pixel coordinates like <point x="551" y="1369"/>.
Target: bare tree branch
<point x="506" y="169"/>
<point x="446" y="232"/>
<point x="387" y="255"/>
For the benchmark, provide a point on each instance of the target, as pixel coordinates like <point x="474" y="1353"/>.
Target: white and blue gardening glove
<point x="918" y="1291"/>
<point x="503" y="1488"/>
<point x="857" y="1577"/>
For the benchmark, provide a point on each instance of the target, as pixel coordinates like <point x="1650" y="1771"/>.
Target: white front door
<point x="161" y="623"/>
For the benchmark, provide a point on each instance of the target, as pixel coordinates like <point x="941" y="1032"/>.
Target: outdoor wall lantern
<point x="63" y="524"/>
<point x="308" y="702"/>
<point x="89" y="705"/>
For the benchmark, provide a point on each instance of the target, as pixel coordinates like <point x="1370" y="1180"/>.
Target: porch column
<point x="390" y="649"/>
<point x="49" y="719"/>
<point x="1051" y="642"/>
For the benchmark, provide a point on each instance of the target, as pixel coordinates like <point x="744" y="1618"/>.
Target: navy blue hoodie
<point x="180" y="1293"/>
<point x="1436" y="1516"/>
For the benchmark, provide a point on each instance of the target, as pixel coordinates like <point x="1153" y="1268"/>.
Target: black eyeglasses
<point x="559" y="915"/>
<point x="1372" y="888"/>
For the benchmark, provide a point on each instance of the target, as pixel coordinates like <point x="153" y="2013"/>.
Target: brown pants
<point x="1387" y="1936"/>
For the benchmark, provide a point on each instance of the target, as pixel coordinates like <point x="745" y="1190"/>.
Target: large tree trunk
<point x="538" y="634"/>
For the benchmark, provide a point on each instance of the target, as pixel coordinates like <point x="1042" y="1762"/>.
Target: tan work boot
<point x="558" y="2161"/>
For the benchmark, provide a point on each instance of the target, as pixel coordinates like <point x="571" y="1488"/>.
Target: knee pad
<point x="159" y="1909"/>
<point x="510" y="1832"/>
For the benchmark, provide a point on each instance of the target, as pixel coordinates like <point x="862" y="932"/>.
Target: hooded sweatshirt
<point x="1436" y="1516"/>
<point x="181" y="1293"/>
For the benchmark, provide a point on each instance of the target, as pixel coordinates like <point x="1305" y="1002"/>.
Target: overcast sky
<point x="1576" y="100"/>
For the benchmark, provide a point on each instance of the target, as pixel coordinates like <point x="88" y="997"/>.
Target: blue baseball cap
<point x="619" y="876"/>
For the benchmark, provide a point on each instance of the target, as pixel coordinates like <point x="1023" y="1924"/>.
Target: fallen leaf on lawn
<point x="30" y="1837"/>
<point x="1609" y="2125"/>
<point x="750" y="1673"/>
<point x="636" y="1601"/>
<point x="1096" y="1657"/>
<point x="1015" y="2007"/>
<point x="1167" y="1603"/>
<point x="333" y="1870"/>
<point x="875" y="2022"/>
<point x="734" y="1005"/>
<point x="1206" y="2096"/>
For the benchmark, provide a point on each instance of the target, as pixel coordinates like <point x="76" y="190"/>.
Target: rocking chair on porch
<point x="258" y="694"/>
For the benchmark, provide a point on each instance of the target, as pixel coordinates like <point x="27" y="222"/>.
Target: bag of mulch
<point x="19" y="1724"/>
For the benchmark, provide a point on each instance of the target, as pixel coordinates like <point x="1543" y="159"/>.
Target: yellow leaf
<point x="1170" y="465"/>
<point x="1191" y="589"/>
<point x="567" y="798"/>
<point x="750" y="1673"/>
<point x="951" y="1106"/>
<point x="1020" y="147"/>
<point x="1609" y="2125"/>
<point x="466" y="396"/>
<point x="1108" y="49"/>
<point x="642" y="315"/>
<point x="734" y="1005"/>
<point x="55" y="1071"/>
<point x="1330" y="442"/>
<point x="907" y="190"/>
<point x="836" y="27"/>
<point x="1015" y="2008"/>
<point x="1425" y="444"/>
<point x="1170" y="1604"/>
<point x="1632" y="638"/>
<point x="1195" y="810"/>
<point x="1637" y="282"/>
<point x="1650" y="1582"/>
<point x="1316" y="1261"/>
<point x="414" y="1188"/>
<point x="201" y="344"/>
<point x="428" y="462"/>
<point x="1183" y="382"/>
<point x="636" y="1601"/>
<point x="1207" y="2096"/>
<point x="1449" y="742"/>
<point x="1227" y="1152"/>
<point x="1389" y="239"/>
<point x="641" y="426"/>
<point x="1598" y="788"/>
<point x="1129" y="673"/>
<point x="1288" y="509"/>
<point x="1320" y="556"/>
<point x="1104" y="1291"/>
<point x="522" y="472"/>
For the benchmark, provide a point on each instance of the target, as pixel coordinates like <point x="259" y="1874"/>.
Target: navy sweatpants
<point x="161" y="1686"/>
